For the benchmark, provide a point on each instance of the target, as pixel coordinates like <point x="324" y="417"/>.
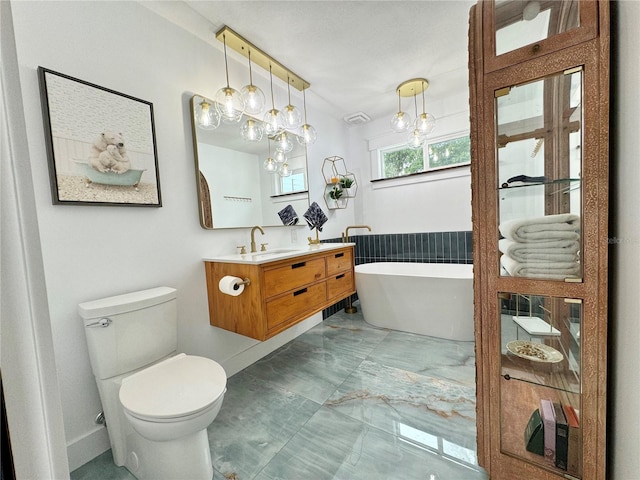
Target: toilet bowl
<point x="157" y="404"/>
<point x="173" y="398"/>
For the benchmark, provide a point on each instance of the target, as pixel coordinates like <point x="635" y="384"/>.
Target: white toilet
<point x="157" y="404"/>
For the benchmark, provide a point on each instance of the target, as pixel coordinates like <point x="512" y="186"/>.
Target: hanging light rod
<point x="412" y="87"/>
<point x="243" y="46"/>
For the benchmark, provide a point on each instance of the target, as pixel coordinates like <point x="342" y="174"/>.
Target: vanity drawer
<point x="339" y="261"/>
<point x="289" y="277"/>
<point x="295" y="304"/>
<point x="340" y="285"/>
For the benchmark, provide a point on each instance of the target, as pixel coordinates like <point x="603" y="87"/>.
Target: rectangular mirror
<point x="539" y="161"/>
<point x="540" y="366"/>
<point x="234" y="188"/>
<point x="524" y="22"/>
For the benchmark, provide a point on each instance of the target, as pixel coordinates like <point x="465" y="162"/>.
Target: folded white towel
<point x="563" y="226"/>
<point x="550" y="270"/>
<point x="532" y="252"/>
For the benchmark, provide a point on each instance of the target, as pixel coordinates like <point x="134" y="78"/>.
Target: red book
<point x="574" y="457"/>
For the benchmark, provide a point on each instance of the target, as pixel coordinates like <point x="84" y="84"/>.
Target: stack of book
<point x="553" y="431"/>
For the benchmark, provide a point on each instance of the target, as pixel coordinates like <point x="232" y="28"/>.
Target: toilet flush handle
<point x="103" y="322"/>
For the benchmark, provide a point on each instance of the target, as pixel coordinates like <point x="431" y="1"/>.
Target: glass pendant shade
<point x="416" y="139"/>
<point x="279" y="156"/>
<point x="270" y="165"/>
<point x="284" y="143"/>
<point x="400" y="122"/>
<point x="307" y="135"/>
<point x="252" y="131"/>
<point x="271" y="124"/>
<point x="284" y="170"/>
<point x="425" y="123"/>
<point x="254" y="99"/>
<point x="229" y="104"/>
<point x="290" y="117"/>
<point x="206" y="116"/>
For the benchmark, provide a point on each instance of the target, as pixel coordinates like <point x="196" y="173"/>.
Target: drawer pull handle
<point x="300" y="292"/>
<point x="298" y="265"/>
<point x="338" y="255"/>
<point x="340" y="276"/>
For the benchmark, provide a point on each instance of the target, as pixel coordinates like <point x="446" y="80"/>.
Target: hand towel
<point x="564" y="226"/>
<point x="315" y="217"/>
<point x="288" y="215"/>
<point x="549" y="270"/>
<point x="532" y="252"/>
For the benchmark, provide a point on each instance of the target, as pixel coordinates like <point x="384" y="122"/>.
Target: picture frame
<point x="101" y="144"/>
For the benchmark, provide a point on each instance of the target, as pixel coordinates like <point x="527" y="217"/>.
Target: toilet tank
<point x="141" y="327"/>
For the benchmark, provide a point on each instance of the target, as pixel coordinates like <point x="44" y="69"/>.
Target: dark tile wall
<point x="428" y="247"/>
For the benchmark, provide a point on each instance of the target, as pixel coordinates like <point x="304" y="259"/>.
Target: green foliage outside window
<point x="450" y="152"/>
<point x="402" y="162"/>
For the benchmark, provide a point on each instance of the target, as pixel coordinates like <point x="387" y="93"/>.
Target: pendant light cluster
<point x="423" y="123"/>
<point x="246" y="106"/>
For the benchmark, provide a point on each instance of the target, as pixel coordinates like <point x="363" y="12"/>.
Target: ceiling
<point x="354" y="53"/>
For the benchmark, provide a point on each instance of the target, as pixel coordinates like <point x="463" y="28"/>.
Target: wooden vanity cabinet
<point x="282" y="293"/>
<point x="539" y="101"/>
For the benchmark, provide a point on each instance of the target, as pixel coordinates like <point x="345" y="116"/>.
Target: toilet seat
<point x="180" y="386"/>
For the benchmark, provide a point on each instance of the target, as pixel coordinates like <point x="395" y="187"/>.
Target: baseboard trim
<point x="87" y="447"/>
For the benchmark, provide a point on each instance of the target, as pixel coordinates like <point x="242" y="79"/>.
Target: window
<point x="294" y="182"/>
<point x="401" y="160"/>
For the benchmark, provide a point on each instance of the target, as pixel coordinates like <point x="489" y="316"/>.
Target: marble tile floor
<point x="344" y="401"/>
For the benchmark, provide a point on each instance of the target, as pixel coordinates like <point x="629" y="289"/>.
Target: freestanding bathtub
<point x="432" y="299"/>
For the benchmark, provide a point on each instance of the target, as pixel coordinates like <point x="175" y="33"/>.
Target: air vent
<point x="357" y="118"/>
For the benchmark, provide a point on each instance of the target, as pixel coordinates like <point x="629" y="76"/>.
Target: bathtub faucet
<point x="345" y="235"/>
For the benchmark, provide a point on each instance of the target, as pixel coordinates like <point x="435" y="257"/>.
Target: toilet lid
<point x="176" y="387"/>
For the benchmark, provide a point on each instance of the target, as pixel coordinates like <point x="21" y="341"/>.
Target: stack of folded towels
<point x="542" y="247"/>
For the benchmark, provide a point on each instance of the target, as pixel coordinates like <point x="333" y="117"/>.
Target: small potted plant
<point x="336" y="195"/>
<point x="346" y="184"/>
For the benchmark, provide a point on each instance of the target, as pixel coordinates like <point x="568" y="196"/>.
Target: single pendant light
<point x="253" y="97"/>
<point x="290" y="116"/>
<point x="271" y="124"/>
<point x="229" y="102"/>
<point x="425" y="122"/>
<point x="252" y="131"/>
<point x="400" y="121"/>
<point x="416" y="138"/>
<point x="308" y="134"/>
<point x="270" y="164"/>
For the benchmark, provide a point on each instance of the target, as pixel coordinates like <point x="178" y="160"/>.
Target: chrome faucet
<point x="345" y="235"/>
<point x="253" y="237"/>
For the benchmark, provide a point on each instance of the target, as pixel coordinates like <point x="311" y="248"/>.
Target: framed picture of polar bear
<point x="101" y="144"/>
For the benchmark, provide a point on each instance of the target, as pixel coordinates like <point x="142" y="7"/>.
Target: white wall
<point x="434" y="202"/>
<point x="624" y="406"/>
<point x="91" y="252"/>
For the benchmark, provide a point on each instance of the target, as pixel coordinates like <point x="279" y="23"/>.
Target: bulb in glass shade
<point x="284" y="170"/>
<point x="270" y="165"/>
<point x="229" y="104"/>
<point x="400" y="122"/>
<point x="253" y="99"/>
<point x="284" y="143"/>
<point x="308" y="135"/>
<point x="290" y="117"/>
<point x="252" y="131"/>
<point x="425" y="123"/>
<point x="416" y="139"/>
<point x="206" y="116"/>
<point x="279" y="156"/>
<point x="271" y="124"/>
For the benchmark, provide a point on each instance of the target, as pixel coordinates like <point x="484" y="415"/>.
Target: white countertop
<point x="276" y="254"/>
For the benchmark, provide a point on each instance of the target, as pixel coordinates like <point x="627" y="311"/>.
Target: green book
<point x="534" y="434"/>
